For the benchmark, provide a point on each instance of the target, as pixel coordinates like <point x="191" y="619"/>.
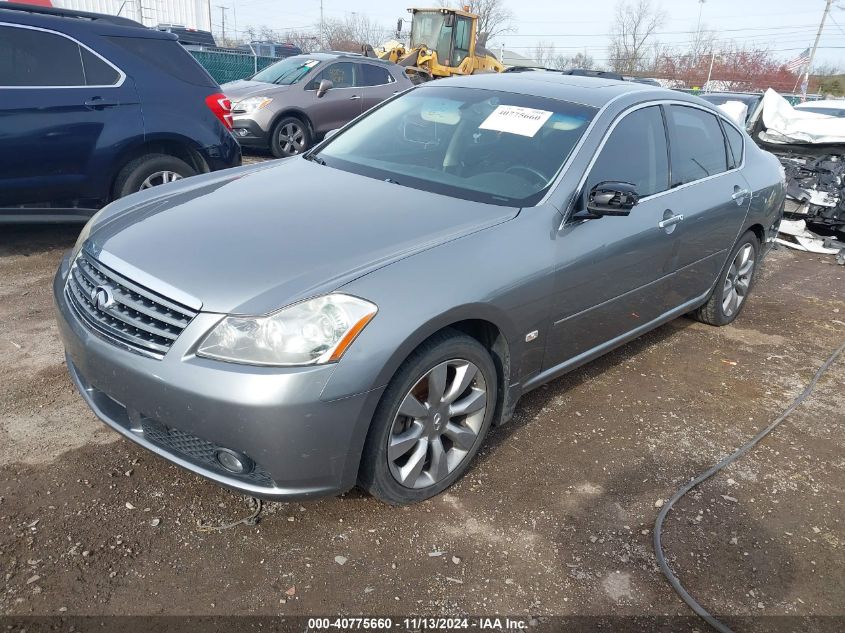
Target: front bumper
<point x="184" y="407"/>
<point x="249" y="133"/>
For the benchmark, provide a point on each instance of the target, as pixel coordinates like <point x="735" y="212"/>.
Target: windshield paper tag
<point x="311" y="63"/>
<point x="516" y="120"/>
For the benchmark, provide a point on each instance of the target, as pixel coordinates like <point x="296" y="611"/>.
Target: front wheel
<point x="290" y="137"/>
<point x="431" y="420"/>
<point x="734" y="284"/>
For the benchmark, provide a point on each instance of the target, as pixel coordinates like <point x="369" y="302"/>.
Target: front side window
<point x="636" y="153"/>
<point x="341" y="74"/>
<point x="36" y="58"/>
<point x="483" y="145"/>
<point x="698" y="146"/>
<point x="288" y="71"/>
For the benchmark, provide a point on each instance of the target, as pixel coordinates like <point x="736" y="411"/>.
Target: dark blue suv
<point x="95" y="107"/>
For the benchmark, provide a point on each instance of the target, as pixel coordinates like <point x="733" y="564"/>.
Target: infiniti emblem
<point x="102" y="297"/>
<point x="438" y="421"/>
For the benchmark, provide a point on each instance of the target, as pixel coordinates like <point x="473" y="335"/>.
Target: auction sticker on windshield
<point x="516" y="120"/>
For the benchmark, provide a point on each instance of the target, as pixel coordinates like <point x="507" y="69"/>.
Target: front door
<point x="613" y="272"/>
<point x="59" y="104"/>
<point x="339" y="105"/>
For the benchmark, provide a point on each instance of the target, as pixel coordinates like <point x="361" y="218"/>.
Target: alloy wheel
<point x="738" y="280"/>
<point x="291" y="138"/>
<point x="160" y="178"/>
<point x="437" y="424"/>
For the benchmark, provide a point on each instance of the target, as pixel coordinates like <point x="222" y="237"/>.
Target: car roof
<point x="76" y="22"/>
<point x="357" y="57"/>
<point x="590" y="91"/>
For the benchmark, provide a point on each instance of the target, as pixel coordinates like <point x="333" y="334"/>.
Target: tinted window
<point x="169" y="56"/>
<point x="735" y="143"/>
<point x="698" y="146"/>
<point x="371" y="75"/>
<point x="636" y="153"/>
<point x="36" y="58"/>
<point x="497" y="147"/>
<point x="97" y="72"/>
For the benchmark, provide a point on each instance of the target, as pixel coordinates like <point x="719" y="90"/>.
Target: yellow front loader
<point x="444" y="42"/>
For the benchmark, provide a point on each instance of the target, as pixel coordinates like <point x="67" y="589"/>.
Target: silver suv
<point x="289" y="105"/>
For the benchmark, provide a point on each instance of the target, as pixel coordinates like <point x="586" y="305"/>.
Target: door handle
<point x="671" y="221"/>
<point x="99" y="102"/>
<point x="354" y="97"/>
<point x="739" y="194"/>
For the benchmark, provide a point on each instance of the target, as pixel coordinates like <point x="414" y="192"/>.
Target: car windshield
<point x="288" y="71"/>
<point x="496" y="147"/>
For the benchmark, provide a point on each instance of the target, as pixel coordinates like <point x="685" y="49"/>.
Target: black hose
<point x="658" y="525"/>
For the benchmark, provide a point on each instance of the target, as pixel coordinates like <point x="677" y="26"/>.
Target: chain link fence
<point x="230" y="66"/>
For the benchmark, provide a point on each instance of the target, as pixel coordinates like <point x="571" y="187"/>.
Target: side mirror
<point x="612" y="198"/>
<point x="324" y="87"/>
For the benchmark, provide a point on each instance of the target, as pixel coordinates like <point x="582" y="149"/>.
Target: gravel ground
<point x="555" y="517"/>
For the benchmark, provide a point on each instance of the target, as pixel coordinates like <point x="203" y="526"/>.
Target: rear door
<point x="716" y="197"/>
<point x="339" y="105"/>
<point x="376" y="82"/>
<point x="61" y="104"/>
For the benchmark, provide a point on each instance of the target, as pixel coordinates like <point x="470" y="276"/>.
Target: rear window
<point x="169" y="56"/>
<point x="735" y="143"/>
<point x="97" y="72"/>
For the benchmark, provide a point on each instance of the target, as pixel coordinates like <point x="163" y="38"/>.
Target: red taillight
<point x="221" y="106"/>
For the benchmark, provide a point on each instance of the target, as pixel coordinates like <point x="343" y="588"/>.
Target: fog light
<point x="241" y="131"/>
<point x="233" y="462"/>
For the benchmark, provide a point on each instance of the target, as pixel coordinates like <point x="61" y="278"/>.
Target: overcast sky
<point x="787" y="27"/>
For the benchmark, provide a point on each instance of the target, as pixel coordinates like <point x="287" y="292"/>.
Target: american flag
<point x="799" y="62"/>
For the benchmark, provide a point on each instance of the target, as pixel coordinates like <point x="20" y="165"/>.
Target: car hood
<point x="243" y="88"/>
<point x="257" y="239"/>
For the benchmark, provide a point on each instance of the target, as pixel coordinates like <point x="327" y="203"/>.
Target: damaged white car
<point x="811" y="148"/>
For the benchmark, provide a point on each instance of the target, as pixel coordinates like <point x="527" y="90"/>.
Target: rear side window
<point x="698" y="145"/>
<point x="735" y="143"/>
<point x="169" y="56"/>
<point x="372" y="75"/>
<point x="641" y="134"/>
<point x="97" y="72"/>
<point x="36" y="58"/>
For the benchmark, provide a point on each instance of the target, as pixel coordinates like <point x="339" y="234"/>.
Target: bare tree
<point x="494" y="18"/>
<point x="634" y="24"/>
<point x="353" y="31"/>
<point x="546" y="55"/>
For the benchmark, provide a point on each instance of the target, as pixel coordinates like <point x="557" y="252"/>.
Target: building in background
<point x="193" y="14"/>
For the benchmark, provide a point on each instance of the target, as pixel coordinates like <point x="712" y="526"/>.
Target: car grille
<point x="122" y="311"/>
<point x="197" y="450"/>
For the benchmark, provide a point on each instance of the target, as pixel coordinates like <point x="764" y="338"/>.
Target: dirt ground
<point x="555" y="517"/>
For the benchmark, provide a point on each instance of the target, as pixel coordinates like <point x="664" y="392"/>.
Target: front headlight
<point x="312" y="332"/>
<point x="250" y="105"/>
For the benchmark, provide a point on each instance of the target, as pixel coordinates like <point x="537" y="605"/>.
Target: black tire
<point x="294" y="128"/>
<point x="133" y="176"/>
<point x="375" y="475"/>
<point x="713" y="312"/>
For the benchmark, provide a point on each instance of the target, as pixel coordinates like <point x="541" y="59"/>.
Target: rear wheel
<point x="431" y="421"/>
<point x="290" y="137"/>
<point x="734" y="284"/>
<point x="150" y="171"/>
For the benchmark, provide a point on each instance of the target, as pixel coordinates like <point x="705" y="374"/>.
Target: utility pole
<point x="806" y="84"/>
<point x="322" y="27"/>
<point x="698" y="31"/>
<point x="140" y="11"/>
<point x="223" y="10"/>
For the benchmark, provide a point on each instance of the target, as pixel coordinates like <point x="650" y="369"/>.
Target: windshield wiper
<point x="314" y="158"/>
